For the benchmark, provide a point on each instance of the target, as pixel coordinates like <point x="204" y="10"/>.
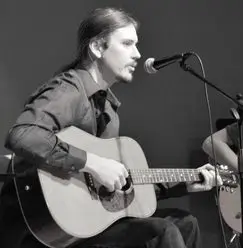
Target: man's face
<point x="120" y="58"/>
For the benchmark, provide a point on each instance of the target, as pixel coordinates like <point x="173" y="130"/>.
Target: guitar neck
<point x="150" y="176"/>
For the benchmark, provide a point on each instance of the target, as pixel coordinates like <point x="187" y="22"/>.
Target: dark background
<point x="166" y="112"/>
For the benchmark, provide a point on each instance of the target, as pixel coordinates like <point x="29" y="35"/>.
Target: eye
<point x="127" y="43"/>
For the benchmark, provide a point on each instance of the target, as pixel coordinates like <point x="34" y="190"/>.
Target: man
<point x="225" y="144"/>
<point x="80" y="96"/>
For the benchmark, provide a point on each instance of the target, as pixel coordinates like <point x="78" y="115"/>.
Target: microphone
<point x="152" y="66"/>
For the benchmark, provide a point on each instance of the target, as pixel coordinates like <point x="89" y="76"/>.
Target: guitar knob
<point x="227" y="189"/>
<point x="27" y="187"/>
<point x="238" y="215"/>
<point x="223" y="167"/>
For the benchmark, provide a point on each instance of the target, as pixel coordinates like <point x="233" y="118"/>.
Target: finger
<point x="207" y="177"/>
<point x="207" y="167"/>
<point x="123" y="181"/>
<point x="110" y="187"/>
<point x="219" y="180"/>
<point x="195" y="187"/>
<point x="216" y="181"/>
<point x="212" y="180"/>
<point x="118" y="185"/>
<point x="212" y="174"/>
<point x="125" y="173"/>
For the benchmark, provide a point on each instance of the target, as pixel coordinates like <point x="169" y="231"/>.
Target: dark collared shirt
<point x="72" y="98"/>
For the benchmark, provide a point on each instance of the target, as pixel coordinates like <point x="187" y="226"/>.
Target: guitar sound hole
<point x="118" y="199"/>
<point x="128" y="184"/>
<point x="104" y="193"/>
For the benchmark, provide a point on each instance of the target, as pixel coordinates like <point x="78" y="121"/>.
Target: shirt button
<point x="73" y="168"/>
<point x="103" y="93"/>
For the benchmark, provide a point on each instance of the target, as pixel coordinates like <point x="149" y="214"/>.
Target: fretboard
<point x="149" y="176"/>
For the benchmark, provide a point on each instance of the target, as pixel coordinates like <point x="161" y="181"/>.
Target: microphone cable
<point x="212" y="142"/>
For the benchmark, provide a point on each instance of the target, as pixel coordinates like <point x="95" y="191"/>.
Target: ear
<point x="96" y="47"/>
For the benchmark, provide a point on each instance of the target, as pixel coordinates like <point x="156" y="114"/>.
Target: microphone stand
<point x="10" y="174"/>
<point x="5" y="176"/>
<point x="238" y="115"/>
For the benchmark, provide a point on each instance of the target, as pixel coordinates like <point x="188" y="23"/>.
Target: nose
<point x="136" y="53"/>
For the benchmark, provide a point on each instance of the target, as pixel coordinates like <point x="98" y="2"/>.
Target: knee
<point x="190" y="222"/>
<point x="162" y="226"/>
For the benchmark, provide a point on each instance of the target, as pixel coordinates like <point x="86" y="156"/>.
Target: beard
<point x="124" y="78"/>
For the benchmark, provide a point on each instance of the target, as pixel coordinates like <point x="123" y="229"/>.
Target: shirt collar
<point x="91" y="88"/>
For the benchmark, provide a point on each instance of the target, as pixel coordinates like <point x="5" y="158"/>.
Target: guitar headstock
<point x="230" y="178"/>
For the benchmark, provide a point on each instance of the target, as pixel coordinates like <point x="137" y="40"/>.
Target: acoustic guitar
<point x="61" y="211"/>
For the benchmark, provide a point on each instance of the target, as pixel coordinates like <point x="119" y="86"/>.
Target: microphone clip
<point x="182" y="63"/>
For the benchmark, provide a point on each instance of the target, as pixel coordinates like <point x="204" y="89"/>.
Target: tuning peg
<point x="223" y="167"/>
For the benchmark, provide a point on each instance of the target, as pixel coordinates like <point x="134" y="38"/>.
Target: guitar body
<point x="61" y="211"/>
<point x="230" y="206"/>
<point x="35" y="210"/>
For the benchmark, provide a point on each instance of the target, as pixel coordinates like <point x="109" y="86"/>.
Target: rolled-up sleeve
<point x="34" y="138"/>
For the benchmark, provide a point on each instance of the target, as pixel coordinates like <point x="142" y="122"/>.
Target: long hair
<point x="99" y="24"/>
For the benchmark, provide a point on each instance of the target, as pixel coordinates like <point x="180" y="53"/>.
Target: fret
<point x="187" y="176"/>
<point x="157" y="176"/>
<point x="166" y="176"/>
